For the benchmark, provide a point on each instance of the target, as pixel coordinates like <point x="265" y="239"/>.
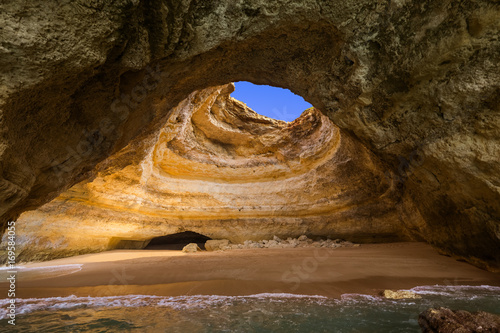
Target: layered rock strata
<point x="417" y="81"/>
<point x="219" y="169"/>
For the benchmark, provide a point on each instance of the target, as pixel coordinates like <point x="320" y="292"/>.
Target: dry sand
<point x="368" y="269"/>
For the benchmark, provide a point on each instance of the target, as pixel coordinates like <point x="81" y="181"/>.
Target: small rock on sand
<point x="191" y="248"/>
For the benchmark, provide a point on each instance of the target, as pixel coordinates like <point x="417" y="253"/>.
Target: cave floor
<point x="368" y="269"/>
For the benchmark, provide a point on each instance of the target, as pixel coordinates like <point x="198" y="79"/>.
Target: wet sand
<point x="368" y="269"/>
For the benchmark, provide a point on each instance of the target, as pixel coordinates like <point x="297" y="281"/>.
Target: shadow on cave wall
<point x="177" y="241"/>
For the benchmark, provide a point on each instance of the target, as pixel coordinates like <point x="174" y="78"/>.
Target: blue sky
<point x="272" y="102"/>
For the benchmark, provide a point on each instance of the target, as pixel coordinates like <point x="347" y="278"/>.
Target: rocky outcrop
<point x="216" y="244"/>
<point x="191" y="248"/>
<point x="416" y="81"/>
<point x="219" y="169"/>
<point x="444" y="320"/>
<point x="400" y="294"/>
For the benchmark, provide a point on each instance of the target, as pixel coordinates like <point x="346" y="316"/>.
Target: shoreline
<point x="368" y="269"/>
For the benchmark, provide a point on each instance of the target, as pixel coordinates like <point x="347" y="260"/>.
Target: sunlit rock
<point x="400" y="294"/>
<point x="216" y="244"/>
<point x="191" y="248"/>
<point x="219" y="169"/>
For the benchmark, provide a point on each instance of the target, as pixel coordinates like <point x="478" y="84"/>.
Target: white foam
<point x="8" y="268"/>
<point x="354" y="299"/>
<point x="29" y="305"/>
<point x="43" y="272"/>
<point x="361" y="297"/>
<point x="456" y="291"/>
<point x="41" y="268"/>
<point x="284" y="295"/>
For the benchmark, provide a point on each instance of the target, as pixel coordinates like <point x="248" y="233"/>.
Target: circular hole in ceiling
<point x="272" y="102"/>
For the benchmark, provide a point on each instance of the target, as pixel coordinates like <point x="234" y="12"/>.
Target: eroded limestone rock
<point x="191" y="248"/>
<point x="216" y="244"/>
<point x="219" y="169"/>
<point x="400" y="294"/>
<point x="443" y="320"/>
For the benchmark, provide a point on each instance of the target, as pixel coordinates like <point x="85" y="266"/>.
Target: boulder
<point x="400" y="294"/>
<point x="191" y="248"/>
<point x="443" y="320"/>
<point x="216" y="244"/>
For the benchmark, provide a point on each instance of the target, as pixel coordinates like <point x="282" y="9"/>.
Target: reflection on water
<point x="257" y="313"/>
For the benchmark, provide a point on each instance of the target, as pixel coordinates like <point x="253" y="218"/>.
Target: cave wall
<point x="219" y="169"/>
<point x="416" y="81"/>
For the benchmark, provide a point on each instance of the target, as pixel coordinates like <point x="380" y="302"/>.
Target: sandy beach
<point x="368" y="269"/>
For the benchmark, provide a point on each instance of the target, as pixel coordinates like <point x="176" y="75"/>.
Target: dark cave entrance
<point x="177" y="241"/>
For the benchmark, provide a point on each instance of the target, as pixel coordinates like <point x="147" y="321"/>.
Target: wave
<point x="284" y="295"/>
<point x="457" y="290"/>
<point x="29" y="305"/>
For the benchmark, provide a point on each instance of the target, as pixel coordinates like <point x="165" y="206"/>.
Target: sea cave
<point x="141" y="155"/>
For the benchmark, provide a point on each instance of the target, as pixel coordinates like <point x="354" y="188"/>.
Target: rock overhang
<point x="219" y="169"/>
<point x="404" y="77"/>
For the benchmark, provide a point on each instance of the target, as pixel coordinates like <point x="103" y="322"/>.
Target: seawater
<point x="256" y="313"/>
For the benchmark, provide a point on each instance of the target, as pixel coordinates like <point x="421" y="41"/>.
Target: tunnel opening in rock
<point x="271" y="102"/>
<point x="177" y="241"/>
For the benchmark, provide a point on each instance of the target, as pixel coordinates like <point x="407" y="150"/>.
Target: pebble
<point x="302" y="241"/>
